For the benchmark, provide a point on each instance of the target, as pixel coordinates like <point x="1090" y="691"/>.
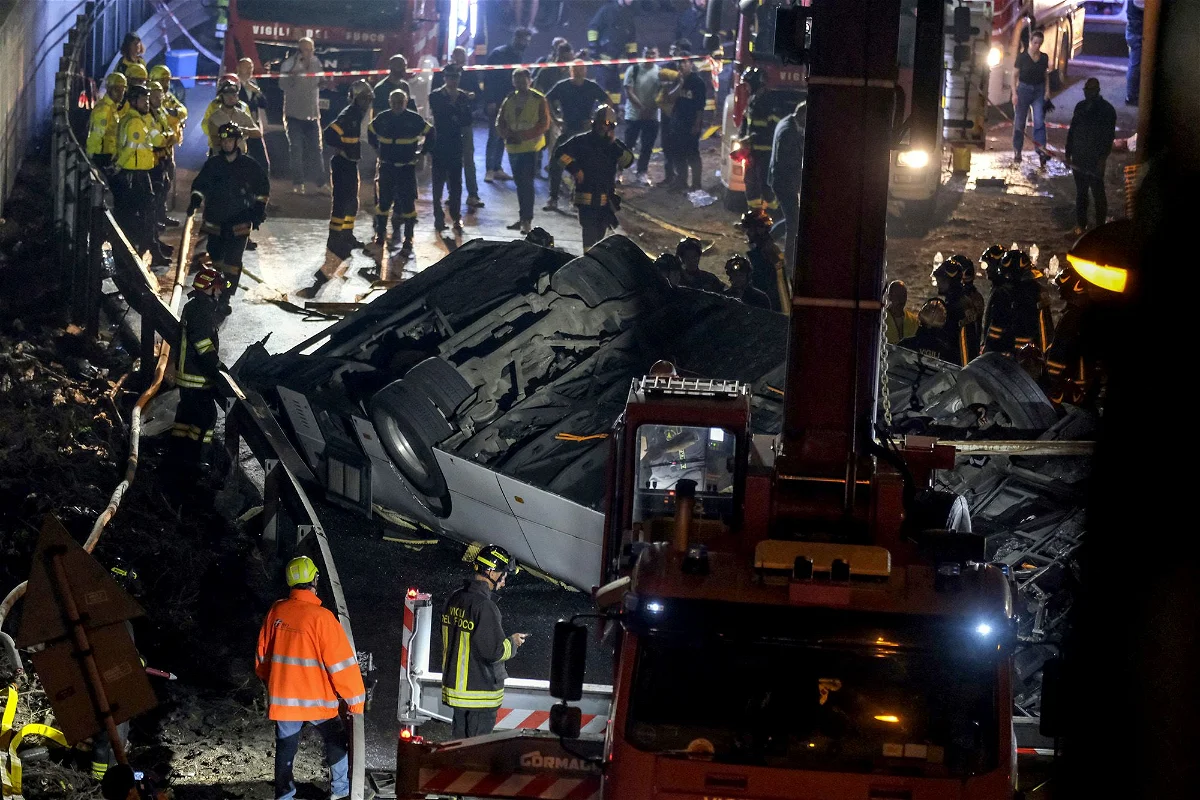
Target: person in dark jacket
<point x="397" y="78"/>
<point x="612" y="33"/>
<point x="343" y="135"/>
<point x="397" y="135"/>
<point x="930" y="339"/>
<point x="1135" y="12"/>
<point x="577" y="99"/>
<point x="692" y="23"/>
<point x="451" y="110"/>
<point x="689" y="251"/>
<point x="738" y="269"/>
<point x="1089" y="141"/>
<point x="595" y="158"/>
<point x="474" y="647"/>
<point x="196" y="369"/>
<point x="234" y="189"/>
<point x="770" y="275"/>
<point x="784" y="172"/>
<point x="497" y="84"/>
<point x="689" y="95"/>
<point x="1070" y="367"/>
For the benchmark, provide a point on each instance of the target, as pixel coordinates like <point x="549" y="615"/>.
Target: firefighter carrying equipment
<point x="474" y="646"/>
<point x="305" y="659"/>
<point x="300" y="570"/>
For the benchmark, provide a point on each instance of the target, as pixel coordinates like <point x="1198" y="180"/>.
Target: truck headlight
<point x="994" y="57"/>
<point x="913" y="159"/>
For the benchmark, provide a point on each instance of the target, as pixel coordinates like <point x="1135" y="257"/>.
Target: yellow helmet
<point x="136" y="72"/>
<point x="300" y="570"/>
<point x="115" y="79"/>
<point x="161" y="73"/>
<point x="155" y="86"/>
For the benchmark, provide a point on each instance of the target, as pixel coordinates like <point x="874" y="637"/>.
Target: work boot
<point x="164" y="248"/>
<point x="171" y="223"/>
<point x="309" y="292"/>
<point x="251" y="244"/>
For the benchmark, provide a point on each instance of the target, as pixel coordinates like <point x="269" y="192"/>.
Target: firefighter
<point x="105" y="118"/>
<point x="398" y="135"/>
<point x="689" y="251"/>
<point x="234" y="189"/>
<point x="228" y="108"/>
<point x="758" y="133"/>
<point x="998" y="317"/>
<point x="962" y="325"/>
<point x="1069" y="368"/>
<point x="177" y="114"/>
<point x="474" y="647"/>
<point x="612" y="33"/>
<point x="769" y="270"/>
<point x="1031" y="317"/>
<point x="739" y="271"/>
<point x="594" y="159"/>
<point x="930" y="338"/>
<point x="131" y="54"/>
<point x="342" y="135"/>
<point x="310" y="668"/>
<point x="138" y="136"/>
<point x="160" y="176"/>
<point x="137" y="75"/>
<point x="670" y="267"/>
<point x="196" y="370"/>
<point x="992" y="260"/>
<point x="975" y="302"/>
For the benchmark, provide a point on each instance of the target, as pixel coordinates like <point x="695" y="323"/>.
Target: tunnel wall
<point x="32" y="35"/>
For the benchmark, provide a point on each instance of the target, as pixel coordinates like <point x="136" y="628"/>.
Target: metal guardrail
<point x="91" y="244"/>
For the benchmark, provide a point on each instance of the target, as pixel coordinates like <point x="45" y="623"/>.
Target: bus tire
<point x="441" y="383"/>
<point x="409" y="424"/>
<point x="1058" y="78"/>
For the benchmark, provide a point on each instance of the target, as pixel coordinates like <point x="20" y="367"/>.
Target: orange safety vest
<point x="306" y="661"/>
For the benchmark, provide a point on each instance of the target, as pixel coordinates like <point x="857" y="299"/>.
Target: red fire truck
<point x="803" y="617"/>
<point x="349" y="35"/>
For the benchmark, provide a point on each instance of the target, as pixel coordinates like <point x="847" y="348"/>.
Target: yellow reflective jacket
<point x="163" y="120"/>
<point x="102" y="129"/>
<point x="137" y="139"/>
<point x="177" y="112"/>
<point x="526" y="118"/>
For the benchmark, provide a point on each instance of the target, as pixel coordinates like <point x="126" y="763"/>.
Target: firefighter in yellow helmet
<point x="474" y="647"/>
<point x="105" y="118"/>
<point x="161" y="177"/>
<point x="136" y="74"/>
<point x="138" y="137"/>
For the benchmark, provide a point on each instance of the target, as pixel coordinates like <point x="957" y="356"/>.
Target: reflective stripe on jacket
<point x="137" y="138"/>
<point x="396" y="136"/>
<point x="305" y="659"/>
<point x="529" y="115"/>
<point x="473" y="649"/>
<point x="102" y="127"/>
<point x="198" y="343"/>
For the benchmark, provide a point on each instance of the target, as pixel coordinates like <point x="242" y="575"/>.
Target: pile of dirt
<point x="64" y="412"/>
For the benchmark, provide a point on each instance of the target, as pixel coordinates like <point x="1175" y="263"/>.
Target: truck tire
<point x="409" y="424"/>
<point x="1058" y="78"/>
<point x="441" y="383"/>
<point x="993" y="377"/>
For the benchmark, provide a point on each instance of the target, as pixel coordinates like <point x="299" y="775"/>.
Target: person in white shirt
<point x="641" y="111"/>
<point x="302" y="115"/>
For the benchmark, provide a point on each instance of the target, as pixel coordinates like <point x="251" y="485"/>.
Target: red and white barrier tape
<point x="532" y="720"/>
<point x="707" y="62"/>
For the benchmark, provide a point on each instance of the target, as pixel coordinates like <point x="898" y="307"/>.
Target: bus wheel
<point x="1058" y="78"/>
<point x="734" y="201"/>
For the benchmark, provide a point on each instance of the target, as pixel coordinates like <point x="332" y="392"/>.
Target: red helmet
<point x="206" y="278"/>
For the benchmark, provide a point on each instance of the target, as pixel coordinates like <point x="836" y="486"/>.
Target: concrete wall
<point x="31" y="38"/>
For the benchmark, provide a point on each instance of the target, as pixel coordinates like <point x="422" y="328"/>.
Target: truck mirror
<point x="567" y="660"/>
<point x="566" y="721"/>
<point x="1051" y="723"/>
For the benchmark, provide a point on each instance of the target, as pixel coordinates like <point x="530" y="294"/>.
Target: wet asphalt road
<point x="375" y="575"/>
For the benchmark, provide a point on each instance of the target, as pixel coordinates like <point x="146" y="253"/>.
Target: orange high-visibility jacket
<point x="306" y="661"/>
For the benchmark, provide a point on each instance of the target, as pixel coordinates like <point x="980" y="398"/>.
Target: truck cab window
<point x="667" y="454"/>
